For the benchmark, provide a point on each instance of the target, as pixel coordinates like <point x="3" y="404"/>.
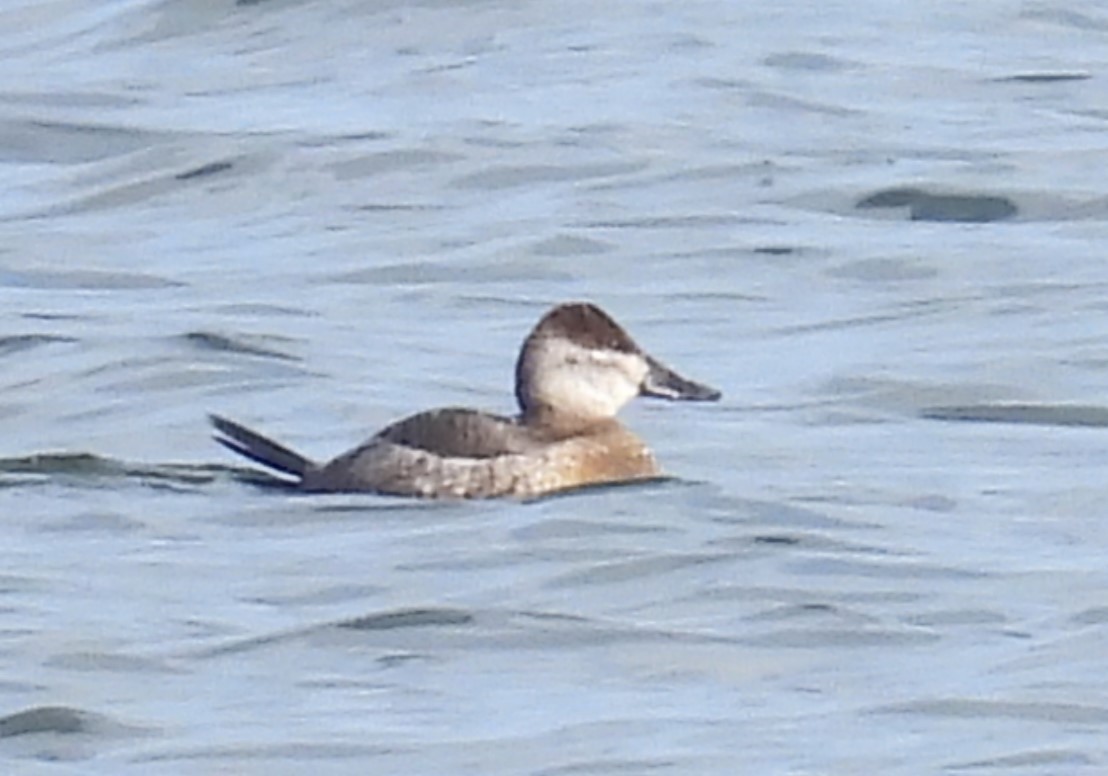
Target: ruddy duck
<point x="576" y="369"/>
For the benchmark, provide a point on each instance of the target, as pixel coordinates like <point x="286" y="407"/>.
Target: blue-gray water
<point x="878" y="227"/>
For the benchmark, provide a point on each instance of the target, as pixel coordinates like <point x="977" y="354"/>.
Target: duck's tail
<point x="259" y="449"/>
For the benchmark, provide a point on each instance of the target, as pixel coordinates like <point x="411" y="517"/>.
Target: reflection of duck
<point x="576" y="369"/>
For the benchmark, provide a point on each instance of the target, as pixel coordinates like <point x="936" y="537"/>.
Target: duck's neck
<point x="557" y="424"/>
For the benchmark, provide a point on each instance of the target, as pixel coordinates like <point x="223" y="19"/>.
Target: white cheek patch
<point x="591" y="383"/>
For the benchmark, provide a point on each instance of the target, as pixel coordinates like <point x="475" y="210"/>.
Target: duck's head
<point x="579" y="363"/>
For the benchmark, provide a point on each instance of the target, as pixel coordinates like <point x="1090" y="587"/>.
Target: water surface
<point x="878" y="229"/>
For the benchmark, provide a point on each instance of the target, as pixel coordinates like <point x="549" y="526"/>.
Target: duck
<point x="576" y="369"/>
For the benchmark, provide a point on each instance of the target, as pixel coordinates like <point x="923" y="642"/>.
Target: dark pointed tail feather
<point x="258" y="448"/>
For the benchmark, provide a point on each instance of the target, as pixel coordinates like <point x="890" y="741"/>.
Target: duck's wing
<point x="448" y="453"/>
<point x="460" y="433"/>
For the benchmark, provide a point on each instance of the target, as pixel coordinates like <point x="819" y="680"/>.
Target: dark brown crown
<point x="586" y="325"/>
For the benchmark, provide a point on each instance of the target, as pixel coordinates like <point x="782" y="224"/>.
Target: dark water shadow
<point x="407" y="618"/>
<point x="63" y="720"/>
<point x="923" y="205"/>
<point x="93" y="470"/>
<point x="18" y="343"/>
<point x="974" y="708"/>
<point x="238" y="345"/>
<point x="1043" y="78"/>
<point x="1071" y="415"/>
<point x="407" y="631"/>
<point x="648" y="484"/>
<point x="60" y="734"/>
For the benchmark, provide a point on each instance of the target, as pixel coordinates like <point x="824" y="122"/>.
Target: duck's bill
<point x="663" y="383"/>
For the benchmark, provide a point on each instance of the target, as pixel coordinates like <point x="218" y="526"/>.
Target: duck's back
<point x="459" y="453"/>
